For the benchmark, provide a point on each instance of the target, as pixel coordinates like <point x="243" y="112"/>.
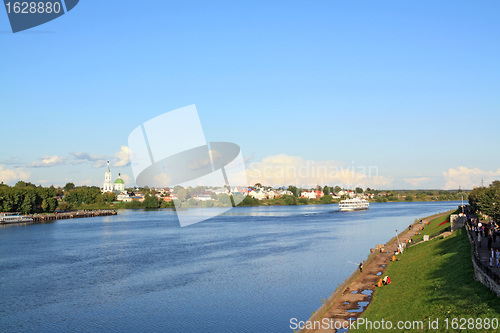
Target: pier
<point x="40" y="218"/>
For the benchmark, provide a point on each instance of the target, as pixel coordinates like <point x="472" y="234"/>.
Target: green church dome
<point x="119" y="181"/>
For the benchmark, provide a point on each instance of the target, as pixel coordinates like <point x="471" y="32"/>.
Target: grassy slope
<point x="433" y="228"/>
<point x="433" y="280"/>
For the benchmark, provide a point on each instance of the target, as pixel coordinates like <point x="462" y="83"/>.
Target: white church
<point x="108" y="186"/>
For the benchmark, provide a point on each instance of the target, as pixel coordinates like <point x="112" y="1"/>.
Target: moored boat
<point x="6" y="218"/>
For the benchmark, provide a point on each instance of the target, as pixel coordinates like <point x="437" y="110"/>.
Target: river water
<point x="249" y="270"/>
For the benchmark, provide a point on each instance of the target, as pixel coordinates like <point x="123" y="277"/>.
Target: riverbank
<point x="351" y="298"/>
<point x="433" y="288"/>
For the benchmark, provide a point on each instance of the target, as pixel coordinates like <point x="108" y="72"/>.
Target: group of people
<point x="385" y="281"/>
<point x="495" y="258"/>
<point x="482" y="231"/>
<point x="485" y="230"/>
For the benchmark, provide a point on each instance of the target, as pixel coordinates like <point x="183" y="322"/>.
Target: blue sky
<point x="408" y="87"/>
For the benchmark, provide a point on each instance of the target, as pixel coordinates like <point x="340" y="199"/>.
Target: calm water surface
<point x="249" y="270"/>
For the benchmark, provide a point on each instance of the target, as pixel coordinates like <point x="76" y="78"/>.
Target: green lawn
<point x="433" y="280"/>
<point x="433" y="228"/>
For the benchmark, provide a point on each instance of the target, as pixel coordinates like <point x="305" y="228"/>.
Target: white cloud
<point x="123" y="156"/>
<point x="99" y="164"/>
<point x="468" y="178"/>
<point x="162" y="180"/>
<point x="417" y="181"/>
<point x="8" y="175"/>
<point x="285" y="170"/>
<point x="86" y="156"/>
<point x="48" y="161"/>
<point x="126" y="179"/>
<point x="82" y="157"/>
<point x="84" y="182"/>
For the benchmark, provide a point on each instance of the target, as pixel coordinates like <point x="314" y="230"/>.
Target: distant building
<point x="108" y="186"/>
<point x="271" y="194"/>
<point x="203" y="197"/>
<point x="119" y="184"/>
<point x="308" y="194"/>
<point x="124" y="196"/>
<point x="257" y="194"/>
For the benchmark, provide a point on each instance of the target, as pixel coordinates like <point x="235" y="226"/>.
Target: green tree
<point x="289" y="200"/>
<point x="224" y="199"/>
<point x="69" y="186"/>
<point x="326" y="190"/>
<point x="134" y="204"/>
<point x="326" y="199"/>
<point x="45" y="205"/>
<point x="28" y="205"/>
<point x="487" y="200"/>
<point x="249" y="201"/>
<point x="294" y="190"/>
<point x="24" y="184"/>
<point x="192" y="202"/>
<point x="359" y="190"/>
<point x="303" y="201"/>
<point x="51" y="205"/>
<point x="167" y="204"/>
<point x="421" y="195"/>
<point x="182" y="194"/>
<point x="151" y="202"/>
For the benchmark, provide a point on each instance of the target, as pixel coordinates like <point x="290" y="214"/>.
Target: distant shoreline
<point x="264" y="204"/>
<point x="112" y="209"/>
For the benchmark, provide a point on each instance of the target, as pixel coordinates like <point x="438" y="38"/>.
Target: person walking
<point x="360" y="267"/>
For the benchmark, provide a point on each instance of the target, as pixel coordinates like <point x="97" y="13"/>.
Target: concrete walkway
<point x="353" y="301"/>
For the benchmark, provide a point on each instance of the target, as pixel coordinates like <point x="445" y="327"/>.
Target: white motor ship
<point x="6" y="218"/>
<point x="353" y="204"/>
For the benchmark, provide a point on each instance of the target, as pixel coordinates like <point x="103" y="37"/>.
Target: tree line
<point x="28" y="198"/>
<point x="487" y="200"/>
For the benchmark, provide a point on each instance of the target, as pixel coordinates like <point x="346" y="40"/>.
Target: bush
<point x="289" y="200"/>
<point x="326" y="199"/>
<point x="303" y="201"/>
<point x="249" y="201"/>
